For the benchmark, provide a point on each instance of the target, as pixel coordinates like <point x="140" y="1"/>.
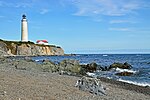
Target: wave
<point x="37" y="60"/>
<point x="135" y="83"/>
<point x="91" y="74"/>
<point x="105" y="55"/>
<point x="125" y="70"/>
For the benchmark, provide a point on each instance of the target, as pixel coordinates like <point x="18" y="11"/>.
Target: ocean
<point x="139" y="62"/>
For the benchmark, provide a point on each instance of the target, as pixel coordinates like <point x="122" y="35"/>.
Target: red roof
<point x="45" y="41"/>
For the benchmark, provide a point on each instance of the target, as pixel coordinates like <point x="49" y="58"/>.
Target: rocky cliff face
<point x="28" y="49"/>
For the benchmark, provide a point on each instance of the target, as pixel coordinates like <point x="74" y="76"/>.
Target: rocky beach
<point x="24" y="79"/>
<point x="74" y="50"/>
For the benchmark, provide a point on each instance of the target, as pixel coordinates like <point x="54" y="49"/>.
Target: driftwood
<point x="91" y="85"/>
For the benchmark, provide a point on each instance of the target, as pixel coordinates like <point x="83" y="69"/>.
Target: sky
<point x="81" y="26"/>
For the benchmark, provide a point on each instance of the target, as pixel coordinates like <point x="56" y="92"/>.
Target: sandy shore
<point x="27" y="85"/>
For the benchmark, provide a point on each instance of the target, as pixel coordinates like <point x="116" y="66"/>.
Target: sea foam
<point x="135" y="83"/>
<point x="125" y="70"/>
<point x="91" y="74"/>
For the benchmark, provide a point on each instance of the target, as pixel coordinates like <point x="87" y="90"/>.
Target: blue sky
<point x="81" y="26"/>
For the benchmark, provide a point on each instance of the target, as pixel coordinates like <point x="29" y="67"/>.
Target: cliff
<point x="28" y="49"/>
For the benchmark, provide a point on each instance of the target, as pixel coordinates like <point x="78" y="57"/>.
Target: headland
<point x="10" y="48"/>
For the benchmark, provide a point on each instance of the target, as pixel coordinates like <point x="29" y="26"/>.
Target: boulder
<point x="101" y="68"/>
<point x="26" y="65"/>
<point x="124" y="74"/>
<point x="69" y="62"/>
<point x="120" y="65"/>
<point x="127" y="66"/>
<point x="68" y="65"/>
<point x="91" y="85"/>
<point x="48" y="66"/>
<point x="90" y="67"/>
<point x="148" y="63"/>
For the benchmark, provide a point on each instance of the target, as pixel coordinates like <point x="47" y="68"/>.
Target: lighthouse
<point x="24" y="29"/>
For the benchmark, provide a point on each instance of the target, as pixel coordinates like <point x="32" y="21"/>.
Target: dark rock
<point x="124" y="74"/>
<point x="105" y="68"/>
<point x="148" y="63"/>
<point x="127" y="65"/>
<point x="101" y="68"/>
<point x="69" y="54"/>
<point x="120" y="65"/>
<point x="91" y="67"/>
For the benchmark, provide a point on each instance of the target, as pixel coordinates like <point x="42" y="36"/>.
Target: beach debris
<point x="91" y="85"/>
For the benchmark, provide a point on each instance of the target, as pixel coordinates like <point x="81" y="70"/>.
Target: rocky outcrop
<point x="48" y="66"/>
<point x="29" y="48"/>
<point x="89" y="68"/>
<point x="120" y="65"/>
<point x="71" y="66"/>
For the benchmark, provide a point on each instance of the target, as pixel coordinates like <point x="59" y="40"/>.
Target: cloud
<point x="120" y="21"/>
<point x="44" y="11"/>
<point x="107" y="7"/>
<point x="39" y="6"/>
<point x="20" y="4"/>
<point x="119" y="29"/>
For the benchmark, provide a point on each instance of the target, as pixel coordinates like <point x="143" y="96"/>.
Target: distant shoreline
<point x="72" y="55"/>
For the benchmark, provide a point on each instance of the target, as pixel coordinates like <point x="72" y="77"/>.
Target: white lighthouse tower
<point x="24" y="29"/>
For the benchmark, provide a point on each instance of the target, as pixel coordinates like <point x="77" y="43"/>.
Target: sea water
<point x="139" y="62"/>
